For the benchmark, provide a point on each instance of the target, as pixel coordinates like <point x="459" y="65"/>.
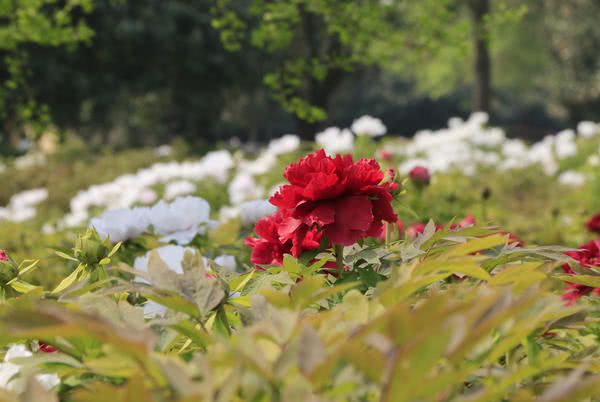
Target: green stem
<point x="339" y="256"/>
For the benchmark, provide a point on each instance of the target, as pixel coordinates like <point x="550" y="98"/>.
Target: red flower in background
<point x="587" y="256"/>
<point x="593" y="224"/>
<point x="467" y="222"/>
<point x="417" y="228"/>
<point x="271" y="245"/>
<point x="514" y="239"/>
<point x="399" y="227"/>
<point x="344" y="199"/>
<point x="45" y="348"/>
<point x="3" y="256"/>
<point x="419" y="175"/>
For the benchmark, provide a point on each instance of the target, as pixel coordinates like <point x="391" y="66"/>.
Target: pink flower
<point x="345" y="200"/>
<point x="3" y="256"/>
<point x="420" y="175"/>
<point x="593" y="224"/>
<point x="587" y="256"/>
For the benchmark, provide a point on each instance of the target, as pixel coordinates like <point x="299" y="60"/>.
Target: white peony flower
<point x="226" y="261"/>
<point x="571" y="178"/>
<point x="252" y="211"/>
<point x="261" y="165"/>
<point x="29" y="197"/>
<point x="588" y="129"/>
<point x="10" y="369"/>
<point x="333" y="140"/>
<point x="163" y="150"/>
<point x="171" y="255"/>
<point x="216" y="164"/>
<point x="181" y="220"/>
<point x="228" y="213"/>
<point x="121" y="224"/>
<point x="368" y="125"/>
<point x="564" y="144"/>
<point x="242" y="188"/>
<point x="22" y="205"/>
<point x="284" y="145"/>
<point x="178" y="188"/>
<point x="147" y="196"/>
<point x="594" y="160"/>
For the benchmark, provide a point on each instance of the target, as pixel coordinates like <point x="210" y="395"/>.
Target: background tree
<point x="39" y="23"/>
<point x="313" y="43"/>
<point x="153" y="71"/>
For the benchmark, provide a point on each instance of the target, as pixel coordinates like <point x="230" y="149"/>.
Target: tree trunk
<point x="482" y="92"/>
<point x="319" y="45"/>
<point x="306" y="130"/>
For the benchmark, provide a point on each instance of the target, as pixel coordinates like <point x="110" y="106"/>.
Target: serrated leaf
<point x="35" y="392"/>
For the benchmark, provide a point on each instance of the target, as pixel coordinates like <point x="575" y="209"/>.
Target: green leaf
<point x="173" y="301"/>
<point x="114" y="249"/>
<point x="65" y="256"/>
<point x="22" y="286"/>
<point x="23" y="271"/>
<point x="472" y="246"/>
<point x="291" y="265"/>
<point x="69" y="280"/>
<point x="197" y="335"/>
<point x="587" y="280"/>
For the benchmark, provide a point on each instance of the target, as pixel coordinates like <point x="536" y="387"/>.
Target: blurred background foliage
<point x="132" y="73"/>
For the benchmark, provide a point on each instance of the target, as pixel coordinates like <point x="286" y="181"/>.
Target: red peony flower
<point x="399" y="226"/>
<point x="417" y="228"/>
<point x="345" y="200"/>
<point x="3" y="256"/>
<point x="420" y="175"/>
<point x="45" y="348"/>
<point x="587" y="256"/>
<point x="593" y="224"/>
<point x="275" y="240"/>
<point x="386" y="155"/>
<point x="514" y="239"/>
<point x="467" y="222"/>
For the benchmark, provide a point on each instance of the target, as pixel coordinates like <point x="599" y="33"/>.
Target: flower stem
<point x="339" y="256"/>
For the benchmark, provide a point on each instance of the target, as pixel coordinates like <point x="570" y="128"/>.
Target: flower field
<point x="457" y="265"/>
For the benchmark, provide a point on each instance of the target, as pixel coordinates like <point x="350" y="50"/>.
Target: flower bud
<point x="90" y="248"/>
<point x="8" y="269"/>
<point x="593" y="224"/>
<point x="420" y="176"/>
